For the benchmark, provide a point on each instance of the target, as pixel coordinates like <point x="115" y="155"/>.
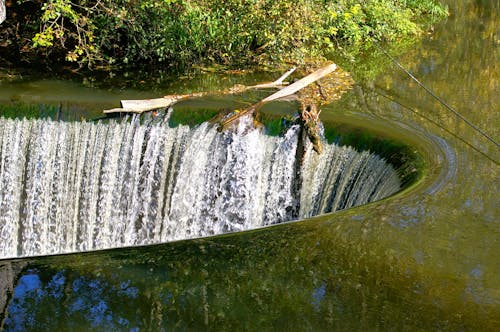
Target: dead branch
<point x="144" y="105"/>
<point x="285" y="92"/>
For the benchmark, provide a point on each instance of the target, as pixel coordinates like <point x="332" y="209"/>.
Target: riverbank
<point x="179" y="34"/>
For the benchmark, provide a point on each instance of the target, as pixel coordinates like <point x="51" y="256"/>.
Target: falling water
<point x="67" y="187"/>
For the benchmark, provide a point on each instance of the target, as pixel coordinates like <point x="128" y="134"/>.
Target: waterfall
<point x="77" y="186"/>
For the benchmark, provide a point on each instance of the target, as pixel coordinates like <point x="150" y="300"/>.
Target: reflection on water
<point x="424" y="260"/>
<point x="27" y="94"/>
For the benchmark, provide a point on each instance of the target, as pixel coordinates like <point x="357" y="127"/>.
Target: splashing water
<point x="68" y="187"/>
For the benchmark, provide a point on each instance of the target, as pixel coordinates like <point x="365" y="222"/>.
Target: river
<point x="425" y="259"/>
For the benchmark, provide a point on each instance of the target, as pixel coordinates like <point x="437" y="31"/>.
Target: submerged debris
<point x="322" y="92"/>
<point x="309" y="117"/>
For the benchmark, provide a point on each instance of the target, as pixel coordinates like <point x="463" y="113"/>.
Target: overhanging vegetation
<point x="181" y="33"/>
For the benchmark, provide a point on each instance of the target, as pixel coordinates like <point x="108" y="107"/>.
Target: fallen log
<point x="286" y="92"/>
<point x="144" y="105"/>
<point x="302" y="83"/>
<point x="311" y="97"/>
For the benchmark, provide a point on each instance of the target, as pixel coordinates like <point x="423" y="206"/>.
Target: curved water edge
<point x="77" y="186"/>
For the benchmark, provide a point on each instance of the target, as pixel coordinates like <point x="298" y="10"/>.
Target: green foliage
<point x="181" y="33"/>
<point x="356" y="23"/>
<point x="67" y="26"/>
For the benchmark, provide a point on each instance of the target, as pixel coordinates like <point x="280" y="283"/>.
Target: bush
<point x="181" y="33"/>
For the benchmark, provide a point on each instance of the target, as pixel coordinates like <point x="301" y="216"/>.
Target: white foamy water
<point x="68" y="187"/>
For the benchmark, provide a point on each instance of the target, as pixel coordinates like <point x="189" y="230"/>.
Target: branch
<point x="286" y="92"/>
<point x="144" y="105"/>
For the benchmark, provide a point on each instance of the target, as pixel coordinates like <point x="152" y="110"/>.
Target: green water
<point x="423" y="260"/>
<point x="35" y="95"/>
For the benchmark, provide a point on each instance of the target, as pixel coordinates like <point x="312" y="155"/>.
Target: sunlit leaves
<point x="237" y="33"/>
<point x="44" y="39"/>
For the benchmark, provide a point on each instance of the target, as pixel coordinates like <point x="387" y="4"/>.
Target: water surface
<point x="425" y="259"/>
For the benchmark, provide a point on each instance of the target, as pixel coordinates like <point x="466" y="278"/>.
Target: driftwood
<point x="286" y="92"/>
<point x="144" y="105"/>
<point x="141" y="106"/>
<point x="311" y="97"/>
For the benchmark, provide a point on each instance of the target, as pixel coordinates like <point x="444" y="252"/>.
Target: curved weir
<point x="69" y="187"/>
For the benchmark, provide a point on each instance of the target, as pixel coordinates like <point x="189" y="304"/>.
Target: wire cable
<point x="429" y="91"/>
<point x="435" y="123"/>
